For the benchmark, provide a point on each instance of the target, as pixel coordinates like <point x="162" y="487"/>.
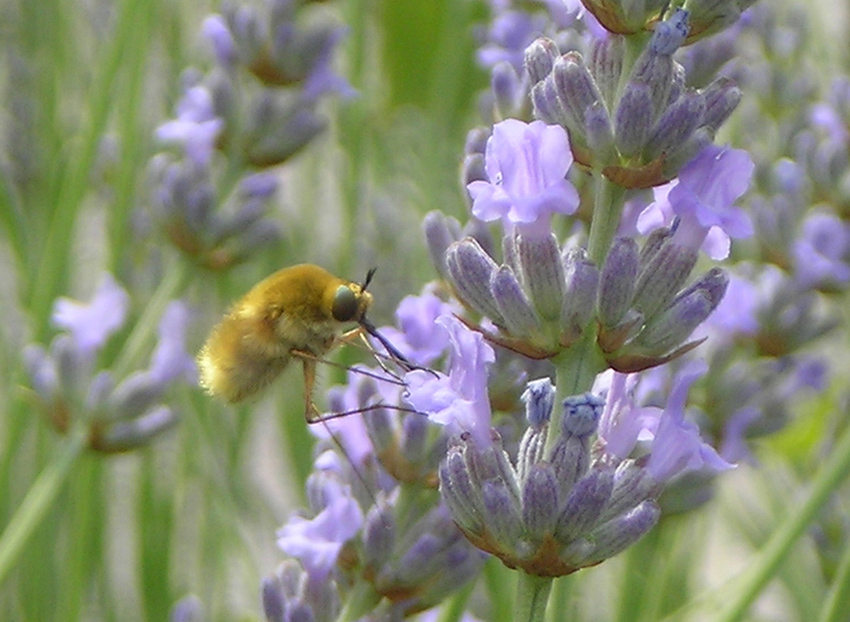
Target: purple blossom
<point x="214" y="29"/>
<point x="170" y="359"/>
<point x="316" y="542"/>
<point x="677" y="445"/>
<point x="420" y="339"/>
<point x="823" y="115"/>
<point x="821" y="251"/>
<point x="703" y="197"/>
<point x="91" y="324"/>
<point x="735" y="447"/>
<point x="196" y="127"/>
<point x="622" y="423"/>
<point x="322" y="78"/>
<point x="459" y="400"/>
<point x="737" y="312"/>
<point x="526" y="165"/>
<point x="508" y="37"/>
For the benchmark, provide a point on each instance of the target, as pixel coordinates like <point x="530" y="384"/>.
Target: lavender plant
<point x="633" y="315"/>
<point x="585" y="480"/>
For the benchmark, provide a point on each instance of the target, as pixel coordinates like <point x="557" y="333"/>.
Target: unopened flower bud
<point x="581" y="277"/>
<point x="676" y="125"/>
<point x="515" y="308"/>
<point x="440" y="233"/>
<point x="617" y="281"/>
<point x="471" y="270"/>
<point x="540" y="57"/>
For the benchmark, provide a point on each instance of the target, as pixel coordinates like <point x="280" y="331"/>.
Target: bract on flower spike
<point x="301" y="312"/>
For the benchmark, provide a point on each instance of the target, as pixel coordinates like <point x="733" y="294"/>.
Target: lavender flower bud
<point x="721" y="99"/>
<point x="661" y="278"/>
<point x="576" y="90"/>
<point x="379" y="427"/>
<point x="459" y="494"/>
<point x="581" y="278"/>
<point x="600" y="134"/>
<point x="42" y="372"/>
<point x="679" y="121"/>
<point x="440" y="233"/>
<point x="476" y="141"/>
<point x="480" y="232"/>
<point x="532" y="445"/>
<point x="414" y="438"/>
<point x="540" y="501"/>
<point x="505" y="85"/>
<point x="570" y="459"/>
<point x="581" y="415"/>
<point x="520" y="317"/>
<point x="656" y="72"/>
<point x="539" y="397"/>
<point x="606" y="65"/>
<point x="668" y="330"/>
<point x="632" y="486"/>
<point x="274" y="602"/>
<point x="617" y="281"/>
<point x="633" y="119"/>
<point x="379" y="536"/>
<point x="136" y="394"/>
<point x="620" y="533"/>
<point x="542" y="273"/>
<point x="473" y="169"/>
<point x="670" y="34"/>
<point x="503" y="512"/>
<point x="548" y="107"/>
<point x="540" y="57"/>
<point x="584" y="504"/>
<point x="134" y="433"/>
<point x="471" y="270"/>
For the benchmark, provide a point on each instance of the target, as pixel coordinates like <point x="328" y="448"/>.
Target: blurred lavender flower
<point x="253" y="124"/>
<point x="92" y="324"/>
<point x="120" y="414"/>
<point x="317" y="542"/>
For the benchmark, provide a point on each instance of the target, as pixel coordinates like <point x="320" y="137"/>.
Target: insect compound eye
<point x="345" y="305"/>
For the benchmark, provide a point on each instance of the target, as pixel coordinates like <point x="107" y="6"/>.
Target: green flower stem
<point x="48" y="274"/>
<point x="607" y="208"/>
<point x="737" y="595"/>
<point x="531" y="598"/>
<point x="39" y="500"/>
<point x="138" y="342"/>
<point x="360" y="601"/>
<point x="838" y="600"/>
<point x="575" y="370"/>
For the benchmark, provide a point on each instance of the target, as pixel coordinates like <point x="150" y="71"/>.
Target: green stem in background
<point x="48" y="275"/>
<point x="838" y="600"/>
<point x="737" y="595"/>
<point x="531" y="597"/>
<point x="39" y="500"/>
<point x="608" y="199"/>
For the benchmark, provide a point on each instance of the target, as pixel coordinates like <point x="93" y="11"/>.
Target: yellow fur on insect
<point x="299" y="311"/>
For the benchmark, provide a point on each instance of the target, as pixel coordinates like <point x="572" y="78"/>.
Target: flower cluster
<point x="612" y="309"/>
<point x="256" y="108"/>
<point x="121" y="413"/>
